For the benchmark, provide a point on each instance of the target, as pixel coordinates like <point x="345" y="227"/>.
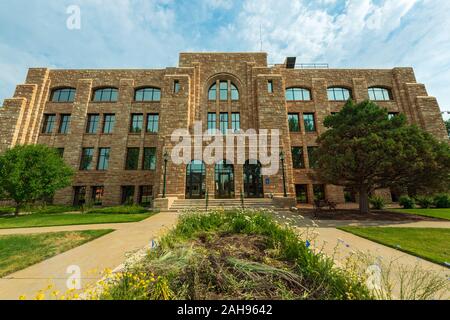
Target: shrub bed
<point x="234" y="255"/>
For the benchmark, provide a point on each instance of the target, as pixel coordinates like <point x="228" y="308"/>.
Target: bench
<point x="319" y="205"/>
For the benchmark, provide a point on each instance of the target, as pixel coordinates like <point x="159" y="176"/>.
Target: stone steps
<point x="200" y="204"/>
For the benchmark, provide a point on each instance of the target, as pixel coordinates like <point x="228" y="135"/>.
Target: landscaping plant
<point x="239" y="255"/>
<point x="377" y="202"/>
<point x="442" y="201"/>
<point x="407" y="202"/>
<point x="364" y="150"/>
<point x="425" y="202"/>
<point x="32" y="172"/>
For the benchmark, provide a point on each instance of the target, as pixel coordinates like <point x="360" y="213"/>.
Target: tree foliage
<point x="32" y="172"/>
<point x="366" y="150"/>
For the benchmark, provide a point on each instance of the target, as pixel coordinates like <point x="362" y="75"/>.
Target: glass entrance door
<point x="253" y="180"/>
<point x="195" y="180"/>
<point x="224" y="180"/>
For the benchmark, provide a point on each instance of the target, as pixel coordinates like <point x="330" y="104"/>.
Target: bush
<point x="51" y="209"/>
<point x="6" y="210"/>
<point x="272" y="261"/>
<point x="119" y="210"/>
<point x="442" y="201"/>
<point x="407" y="202"/>
<point x="378" y="203"/>
<point x="425" y="202"/>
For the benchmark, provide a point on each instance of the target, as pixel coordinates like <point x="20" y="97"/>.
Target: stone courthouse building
<point x="114" y="126"/>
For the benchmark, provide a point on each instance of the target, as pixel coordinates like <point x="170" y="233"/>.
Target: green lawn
<point x="427" y="243"/>
<point x="434" y="213"/>
<point x="49" y="220"/>
<point x="6" y="210"/>
<point x="20" y="251"/>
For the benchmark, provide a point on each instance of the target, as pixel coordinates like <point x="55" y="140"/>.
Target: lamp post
<point x="282" y="157"/>
<point x="166" y="159"/>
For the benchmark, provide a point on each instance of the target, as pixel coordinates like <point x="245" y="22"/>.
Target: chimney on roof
<point x="290" y="62"/>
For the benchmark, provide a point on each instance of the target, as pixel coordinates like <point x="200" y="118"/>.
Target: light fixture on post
<point x="166" y="158"/>
<point x="282" y="158"/>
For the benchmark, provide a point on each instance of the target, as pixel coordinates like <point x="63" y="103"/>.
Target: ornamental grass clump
<point x="239" y="254"/>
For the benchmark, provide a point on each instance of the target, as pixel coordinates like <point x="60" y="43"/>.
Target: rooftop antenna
<point x="260" y="37"/>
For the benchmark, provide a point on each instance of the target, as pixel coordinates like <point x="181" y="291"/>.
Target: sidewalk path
<point x="340" y="245"/>
<point x="93" y="258"/>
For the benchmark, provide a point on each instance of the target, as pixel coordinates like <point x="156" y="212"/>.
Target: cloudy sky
<point x="150" y="33"/>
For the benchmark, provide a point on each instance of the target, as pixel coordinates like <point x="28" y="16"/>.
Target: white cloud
<point x="363" y="33"/>
<point x="150" y="33"/>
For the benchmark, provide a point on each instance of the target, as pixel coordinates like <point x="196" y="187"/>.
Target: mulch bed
<point x="372" y="216"/>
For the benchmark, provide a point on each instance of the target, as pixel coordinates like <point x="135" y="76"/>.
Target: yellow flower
<point x="40" y="296"/>
<point x="22" y="297"/>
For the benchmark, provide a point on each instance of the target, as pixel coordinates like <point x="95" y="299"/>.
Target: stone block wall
<point x="22" y="116"/>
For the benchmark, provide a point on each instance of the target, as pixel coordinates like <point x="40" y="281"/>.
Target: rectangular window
<point x="108" y="123"/>
<point x="87" y="155"/>
<point x="212" y="123"/>
<point x="103" y="159"/>
<point x="97" y="195"/>
<point x="392" y="115"/>
<point x="270" y="86"/>
<point x="319" y="192"/>
<point x="137" y="123"/>
<point x="49" y="123"/>
<point x="127" y="195"/>
<point x="132" y="161"/>
<point x="309" y="122"/>
<point x="149" y="159"/>
<point x="176" y="86"/>
<point x="236" y="122"/>
<point x="92" y="123"/>
<point x="301" y="191"/>
<point x="294" y="125"/>
<point x="224" y="123"/>
<point x="146" y="196"/>
<point x="223" y="90"/>
<point x="297" y="158"/>
<point x="60" y="152"/>
<point x="153" y="123"/>
<point x="64" y="124"/>
<point x="79" y="197"/>
<point x="312" y="157"/>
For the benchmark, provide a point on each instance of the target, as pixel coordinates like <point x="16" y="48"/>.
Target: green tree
<point x="32" y="172"/>
<point x="365" y="150"/>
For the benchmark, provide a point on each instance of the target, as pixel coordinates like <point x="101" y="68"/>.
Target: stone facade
<point x="21" y="118"/>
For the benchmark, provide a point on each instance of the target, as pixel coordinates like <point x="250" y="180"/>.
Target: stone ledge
<point x="282" y="202"/>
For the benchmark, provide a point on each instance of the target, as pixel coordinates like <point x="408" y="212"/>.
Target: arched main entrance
<point x="224" y="175"/>
<point x="195" y="180"/>
<point x="253" y="180"/>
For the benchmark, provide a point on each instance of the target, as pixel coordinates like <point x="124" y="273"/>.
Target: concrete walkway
<point x="340" y="245"/>
<point x="92" y="258"/>
<point x="111" y="250"/>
